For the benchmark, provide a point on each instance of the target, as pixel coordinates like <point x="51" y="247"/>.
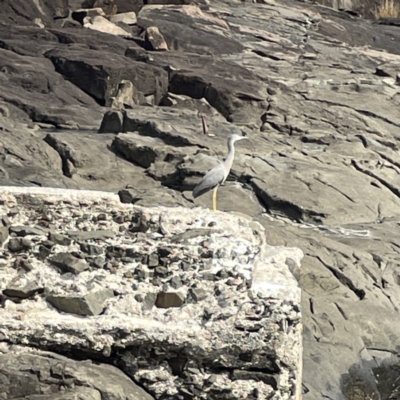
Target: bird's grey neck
<point x="231" y="154"/>
<point x="231" y="146"/>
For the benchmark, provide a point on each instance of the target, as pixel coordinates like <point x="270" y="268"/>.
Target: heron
<point x="217" y="176"/>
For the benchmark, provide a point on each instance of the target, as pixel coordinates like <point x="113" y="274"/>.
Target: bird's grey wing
<point x="210" y="180"/>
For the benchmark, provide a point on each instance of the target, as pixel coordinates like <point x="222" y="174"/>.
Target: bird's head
<point x="235" y="137"/>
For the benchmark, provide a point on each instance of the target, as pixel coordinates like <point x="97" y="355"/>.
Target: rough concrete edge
<point x="63" y="193"/>
<point x="263" y="281"/>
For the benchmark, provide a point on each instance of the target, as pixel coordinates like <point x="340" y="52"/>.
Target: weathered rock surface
<point x="32" y="85"/>
<point x="22" y="291"/>
<point x="66" y="262"/>
<point x="128" y="18"/>
<point x="90" y="304"/>
<point x="35" y="374"/>
<point x="101" y="24"/>
<point x="315" y="89"/>
<point x="188" y="303"/>
<point x="101" y="82"/>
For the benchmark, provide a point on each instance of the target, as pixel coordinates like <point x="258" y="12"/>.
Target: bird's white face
<point x="235" y="137"/>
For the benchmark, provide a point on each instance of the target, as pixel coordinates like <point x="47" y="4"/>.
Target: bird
<point x="217" y="176"/>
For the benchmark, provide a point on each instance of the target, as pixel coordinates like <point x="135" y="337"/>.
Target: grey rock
<point x="26" y="12"/>
<point x="66" y="262"/>
<point x="45" y="103"/>
<point x="96" y="262"/>
<point x="198" y="294"/>
<point x="163" y="252"/>
<point x="157" y="281"/>
<point x="89" y="304"/>
<point x="256" y="376"/>
<point x="185" y="266"/>
<point x="67" y="153"/>
<point x="44" y="252"/>
<point x="223" y="274"/>
<point x="58" y="238"/>
<point x="129" y="275"/>
<point x="139" y="297"/>
<point x="109" y="7"/>
<point x="197" y="79"/>
<point x="141" y="151"/>
<point x="191" y="234"/>
<point x="157" y="123"/>
<point x="177" y="364"/>
<point x="27" y="243"/>
<point x="388" y="69"/>
<point x="23" y="264"/>
<point x="115" y="251"/>
<point x="27" y="230"/>
<point x="15" y="290"/>
<point x="125" y="6"/>
<point x="102" y="24"/>
<point x="153" y="260"/>
<point x="100" y="217"/>
<point x="175" y="282"/>
<point x="15" y="245"/>
<point x="112" y="122"/>
<point x="126" y="96"/>
<point x="155" y="39"/>
<point x="17" y="142"/>
<point x="209" y="276"/>
<point x="169" y="299"/>
<point x="76" y="63"/>
<point x="166" y="173"/>
<point x="81" y="14"/>
<point x="47" y="372"/>
<point x="91" y="235"/>
<point x="91" y="38"/>
<point x="141" y="273"/>
<point x="161" y="272"/>
<point x="3" y="234"/>
<point x="91" y="249"/>
<point x="128" y="18"/>
<point x="91" y="172"/>
<point x="58" y="8"/>
<point x="197" y="40"/>
<point x="149" y="301"/>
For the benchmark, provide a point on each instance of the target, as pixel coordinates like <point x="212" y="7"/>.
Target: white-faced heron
<point x="218" y="174"/>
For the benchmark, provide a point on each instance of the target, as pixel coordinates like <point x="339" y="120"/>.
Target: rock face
<point x="30" y="373"/>
<point x="193" y="303"/>
<point x="315" y="89"/>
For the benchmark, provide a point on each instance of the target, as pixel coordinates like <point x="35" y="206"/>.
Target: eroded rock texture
<point x="317" y="91"/>
<point x="188" y="303"/>
<point x="34" y="374"/>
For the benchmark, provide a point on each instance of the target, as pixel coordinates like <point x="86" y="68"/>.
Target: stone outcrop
<point x="188" y="303"/>
<point x="36" y="374"/>
<point x="316" y="90"/>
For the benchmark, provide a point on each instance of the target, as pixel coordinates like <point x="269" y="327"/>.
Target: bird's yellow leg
<point x="215" y="199"/>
